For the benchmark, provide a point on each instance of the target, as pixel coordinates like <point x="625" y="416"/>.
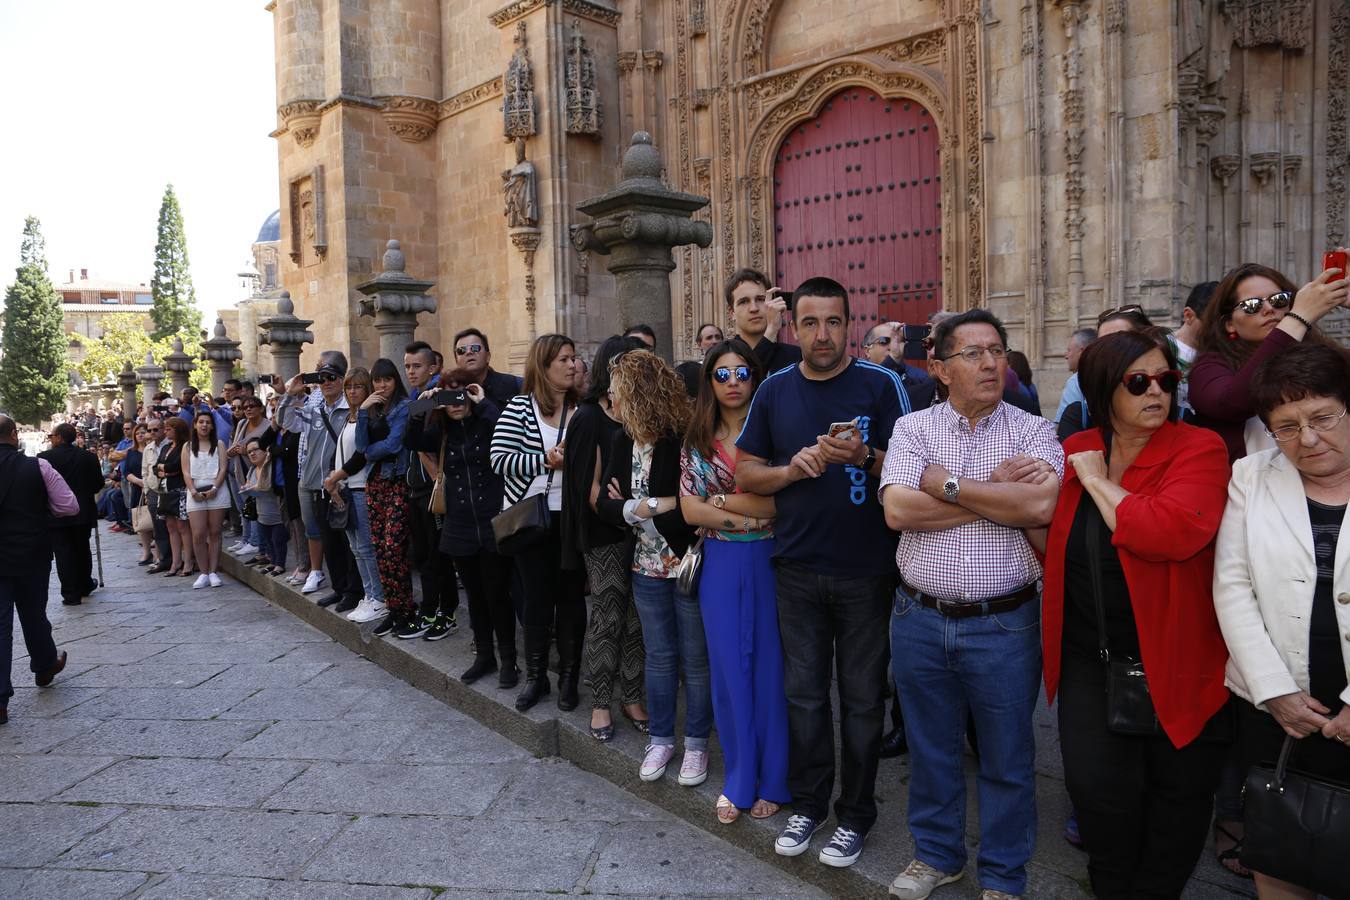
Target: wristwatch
<point x="653" y="504"/>
<point x="951" y="488"/>
<point x="870" y="459"/>
<point x="719" y="501"/>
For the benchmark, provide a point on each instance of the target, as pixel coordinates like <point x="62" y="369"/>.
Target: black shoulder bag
<point x="525" y="523"/>
<point x="337" y="514"/>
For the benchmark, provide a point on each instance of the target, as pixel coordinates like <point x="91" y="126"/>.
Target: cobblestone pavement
<point x="205" y="744"/>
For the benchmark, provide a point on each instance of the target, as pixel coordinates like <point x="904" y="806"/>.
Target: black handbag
<point x="1296" y="827"/>
<point x="250" y="509"/>
<point x="526" y="522"/>
<point x="338" y="513"/>
<point x="169" y="504"/>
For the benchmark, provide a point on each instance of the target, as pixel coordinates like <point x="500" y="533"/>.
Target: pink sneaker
<point x="694" y="768"/>
<point x="654" y="763"/>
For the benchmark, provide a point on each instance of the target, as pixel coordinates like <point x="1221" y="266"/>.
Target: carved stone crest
<point x="583" y="100"/>
<point x="518" y="91"/>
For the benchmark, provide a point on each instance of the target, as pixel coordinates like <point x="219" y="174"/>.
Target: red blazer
<point x="1165" y="537"/>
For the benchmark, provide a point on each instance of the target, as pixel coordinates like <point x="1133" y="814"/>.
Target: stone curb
<point x="544" y="731"/>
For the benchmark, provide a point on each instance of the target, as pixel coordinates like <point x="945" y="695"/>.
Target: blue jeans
<point x="363" y="550"/>
<point x="991" y="667"/>
<point x="309" y="514"/>
<point x="672" y="632"/>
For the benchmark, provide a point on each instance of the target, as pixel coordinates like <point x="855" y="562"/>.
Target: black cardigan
<point x="664" y="481"/>
<point x="589" y="428"/>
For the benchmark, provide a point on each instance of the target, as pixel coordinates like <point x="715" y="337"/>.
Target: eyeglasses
<point x="1137" y="382"/>
<point x="1278" y="300"/>
<point x="1130" y="309"/>
<point x="723" y="373"/>
<point x="975" y="354"/>
<point x="1287" y="433"/>
<point x="883" y="341"/>
<point x="468" y="348"/>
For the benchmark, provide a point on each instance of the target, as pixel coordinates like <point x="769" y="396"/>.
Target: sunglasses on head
<point x="1278" y="300"/>
<point x="1130" y="309"/>
<point x="723" y="373"/>
<point x="1137" y="382"/>
<point x="468" y="348"/>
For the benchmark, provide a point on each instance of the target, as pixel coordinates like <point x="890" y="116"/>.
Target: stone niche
<point x="308" y="232"/>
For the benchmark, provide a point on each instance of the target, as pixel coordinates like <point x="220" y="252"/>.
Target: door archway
<point x="857" y="196"/>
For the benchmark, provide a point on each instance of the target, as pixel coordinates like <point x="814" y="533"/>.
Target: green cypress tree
<point x="175" y="301"/>
<point x="33" y="377"/>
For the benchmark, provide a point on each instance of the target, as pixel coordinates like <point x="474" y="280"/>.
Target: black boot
<point x="569" y="667"/>
<point x="536" y="681"/>
<point x="483" y="664"/>
<point x="508" y="676"/>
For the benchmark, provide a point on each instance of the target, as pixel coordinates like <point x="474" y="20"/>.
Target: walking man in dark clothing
<point x="70" y="534"/>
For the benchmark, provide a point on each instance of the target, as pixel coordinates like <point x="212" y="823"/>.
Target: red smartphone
<point x="1335" y="259"/>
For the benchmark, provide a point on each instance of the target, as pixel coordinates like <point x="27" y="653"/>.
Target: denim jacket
<point x="381" y="440"/>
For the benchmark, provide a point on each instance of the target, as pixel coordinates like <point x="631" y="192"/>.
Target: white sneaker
<point x="234" y="548"/>
<point x="360" y="610"/>
<point x="694" y="768"/>
<point x="246" y="550"/>
<point x="202" y="581"/>
<point x="313" y="582"/>
<point x="655" y="762"/>
<point x="919" y="880"/>
<point x="368" y="610"/>
<point x="215" y="580"/>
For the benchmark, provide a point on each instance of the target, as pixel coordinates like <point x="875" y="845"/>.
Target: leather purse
<point x="436" y="502"/>
<point x="526" y="522"/>
<point x="141" y="521"/>
<point x="1296" y="827"/>
<point x="690" y="568"/>
<point x="338" y="514"/>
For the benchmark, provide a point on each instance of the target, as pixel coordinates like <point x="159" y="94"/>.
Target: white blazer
<point x="1264" y="578"/>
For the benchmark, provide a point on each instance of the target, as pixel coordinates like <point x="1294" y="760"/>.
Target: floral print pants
<point x="387" y="499"/>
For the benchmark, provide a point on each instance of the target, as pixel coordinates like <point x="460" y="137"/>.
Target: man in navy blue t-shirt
<point x="833" y="559"/>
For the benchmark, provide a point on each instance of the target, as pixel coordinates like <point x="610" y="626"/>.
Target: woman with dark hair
<point x="736" y="592"/>
<point x="203" y="459"/>
<point x="1128" y="567"/>
<point x="614" y="632"/>
<point x="641" y="490"/>
<point x="257" y="486"/>
<point x="1075" y="418"/>
<point x="1018" y="362"/>
<point x="173" y="497"/>
<point x="527" y="451"/>
<point x="1255" y="313"/>
<point x="253" y="425"/>
<point x="1281" y="579"/>
<point x="135" y="463"/>
<point x="381" y="422"/>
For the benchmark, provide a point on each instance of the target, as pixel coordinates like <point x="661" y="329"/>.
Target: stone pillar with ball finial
<point x="221" y="355"/>
<point x="395" y="299"/>
<point x="285" y="333"/>
<point x="126" y="380"/>
<point x="180" y="366"/>
<point x="149" y="375"/>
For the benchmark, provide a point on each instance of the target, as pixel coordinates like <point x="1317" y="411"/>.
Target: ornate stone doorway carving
<point x="857" y="196"/>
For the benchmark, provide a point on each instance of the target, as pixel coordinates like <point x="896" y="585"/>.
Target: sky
<point x="108" y="103"/>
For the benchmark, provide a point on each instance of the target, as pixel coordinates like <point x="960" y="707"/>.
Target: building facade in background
<point x="1044" y="158"/>
<point x="86" y="302"/>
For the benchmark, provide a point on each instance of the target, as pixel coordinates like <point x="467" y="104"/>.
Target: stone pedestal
<point x="127" y="382"/>
<point x="285" y="333"/>
<point x="180" y="366"/>
<point x="149" y="375"/>
<point x="221" y="355"/>
<point x="394" y="299"/>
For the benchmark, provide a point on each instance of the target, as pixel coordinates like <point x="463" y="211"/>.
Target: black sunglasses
<point x="1129" y="309"/>
<point x="723" y="373"/>
<point x="1278" y="300"/>
<point x="329" y="377"/>
<point x="1137" y="382"/>
<point x="468" y="348"/>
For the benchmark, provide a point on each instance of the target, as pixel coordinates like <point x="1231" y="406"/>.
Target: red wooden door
<point x="857" y="197"/>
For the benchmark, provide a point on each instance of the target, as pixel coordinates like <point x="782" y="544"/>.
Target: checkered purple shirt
<point x="982" y="559"/>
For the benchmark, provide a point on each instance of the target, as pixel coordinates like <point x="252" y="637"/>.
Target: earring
<point x="1232" y="336"/>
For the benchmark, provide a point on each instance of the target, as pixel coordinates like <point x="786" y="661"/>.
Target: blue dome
<point x="271" y="229"/>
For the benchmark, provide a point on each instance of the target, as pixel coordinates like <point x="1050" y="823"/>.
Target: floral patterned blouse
<point x="652" y="556"/>
<point x="701" y="477"/>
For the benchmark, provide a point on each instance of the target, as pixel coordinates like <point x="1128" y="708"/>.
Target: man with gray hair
<point x="1078" y="342"/>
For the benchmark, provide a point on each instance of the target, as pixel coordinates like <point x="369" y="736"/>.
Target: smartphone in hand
<point x="1335" y="259"/>
<point x="843" y="430"/>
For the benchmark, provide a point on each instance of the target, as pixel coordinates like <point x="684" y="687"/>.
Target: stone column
<point x="180" y="366"/>
<point x="394" y="299"/>
<point x="285" y="333"/>
<point x="107" y="392"/>
<point x="636" y="225"/>
<point x="127" y="382"/>
<point x="221" y="355"/>
<point x="149" y="375"/>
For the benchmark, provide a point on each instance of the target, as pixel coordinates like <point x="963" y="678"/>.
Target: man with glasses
<point x="883" y="346"/>
<point x="961" y="482"/>
<point x="473" y="356"/>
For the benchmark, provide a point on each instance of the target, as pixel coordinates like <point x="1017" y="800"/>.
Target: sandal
<point x="1230" y="858"/>
<point x="726" y="810"/>
<point x="764" y="809"/>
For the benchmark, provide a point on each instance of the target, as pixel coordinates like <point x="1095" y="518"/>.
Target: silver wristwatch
<point x="951" y="489"/>
<point x="653" y="504"/>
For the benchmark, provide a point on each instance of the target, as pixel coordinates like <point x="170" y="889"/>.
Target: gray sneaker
<point x="919" y="880"/>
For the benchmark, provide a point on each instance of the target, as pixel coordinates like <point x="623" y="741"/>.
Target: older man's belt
<point x="962" y="609"/>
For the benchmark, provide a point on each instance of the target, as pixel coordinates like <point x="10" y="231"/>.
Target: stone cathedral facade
<point x="1045" y="158"/>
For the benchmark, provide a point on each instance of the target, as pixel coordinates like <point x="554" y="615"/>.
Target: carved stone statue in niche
<point x="518" y="91"/>
<point x="307" y="215"/>
<point x="520" y="186"/>
<point x="583" y="100"/>
<point x="1205" y="36"/>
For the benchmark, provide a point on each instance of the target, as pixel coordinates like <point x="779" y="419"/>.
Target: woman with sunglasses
<point x="1255" y="313"/>
<point x="1129" y="559"/>
<point x="736" y="591"/>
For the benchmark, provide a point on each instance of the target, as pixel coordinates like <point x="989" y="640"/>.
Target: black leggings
<point x="553" y="601"/>
<point x="487" y="581"/>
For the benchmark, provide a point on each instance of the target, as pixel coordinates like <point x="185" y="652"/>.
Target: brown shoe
<point x="42" y="679"/>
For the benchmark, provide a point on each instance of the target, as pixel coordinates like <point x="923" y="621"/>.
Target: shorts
<point x="309" y="514"/>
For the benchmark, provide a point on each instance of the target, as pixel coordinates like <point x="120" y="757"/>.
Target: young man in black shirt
<point x="758" y="308"/>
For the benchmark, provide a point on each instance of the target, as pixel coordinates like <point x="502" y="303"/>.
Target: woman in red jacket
<point x="1130" y="556"/>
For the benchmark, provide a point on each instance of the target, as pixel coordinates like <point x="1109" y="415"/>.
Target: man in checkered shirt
<point x="961" y="482"/>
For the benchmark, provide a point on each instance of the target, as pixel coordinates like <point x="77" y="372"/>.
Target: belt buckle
<point x="945" y="606"/>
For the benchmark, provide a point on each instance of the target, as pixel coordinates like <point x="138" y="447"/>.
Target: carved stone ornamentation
<point x="586" y="9"/>
<point x="1267" y="23"/>
<point x="1210" y="114"/>
<point x="1224" y="166"/>
<point x="526" y="240"/>
<point x="394" y="299"/>
<point x="520" y="188"/>
<point x="1338" y="143"/>
<point x="518" y="111"/>
<point x="919" y="49"/>
<point x="480" y="93"/>
<point x="1188" y="97"/>
<point x="1291" y="164"/>
<point x="698" y="17"/>
<point x="627" y="62"/>
<point x="308" y="223"/>
<point x="1264" y="165"/>
<point x="754" y="42"/>
<point x="411" y="119"/>
<point x="583" y="100"/>
<point x="301" y="118"/>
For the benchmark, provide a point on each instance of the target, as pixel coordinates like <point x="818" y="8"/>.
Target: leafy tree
<point x="126" y="340"/>
<point x="175" y="302"/>
<point x="32" y="371"/>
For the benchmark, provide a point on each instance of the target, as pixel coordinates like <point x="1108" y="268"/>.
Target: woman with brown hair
<point x="1255" y="313"/>
<point x="203" y="461"/>
<point x="527" y="449"/>
<point x="642" y="486"/>
<point x="135" y="459"/>
<point x="346" y="487"/>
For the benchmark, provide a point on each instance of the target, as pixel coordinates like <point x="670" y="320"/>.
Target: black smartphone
<point x="267" y="379"/>
<point x="916" y="332"/>
<point x="159" y="409"/>
<point x="422" y="405"/>
<point x="452" y="397"/>
<point x="310" y="378"/>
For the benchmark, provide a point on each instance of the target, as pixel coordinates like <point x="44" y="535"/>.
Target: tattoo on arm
<point x="728" y="524"/>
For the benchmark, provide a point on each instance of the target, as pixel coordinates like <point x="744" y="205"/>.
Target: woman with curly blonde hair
<point x="642" y="491"/>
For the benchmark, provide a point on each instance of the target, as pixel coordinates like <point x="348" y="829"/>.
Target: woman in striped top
<point x="527" y="451"/>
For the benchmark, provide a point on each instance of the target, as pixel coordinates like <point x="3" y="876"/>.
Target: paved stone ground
<point x="205" y="744"/>
<point x="208" y="744"/>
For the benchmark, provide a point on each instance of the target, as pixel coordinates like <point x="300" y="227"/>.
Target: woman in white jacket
<point x="1282" y="573"/>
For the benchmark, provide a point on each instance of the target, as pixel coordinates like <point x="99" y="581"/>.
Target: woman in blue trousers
<point x="736" y="591"/>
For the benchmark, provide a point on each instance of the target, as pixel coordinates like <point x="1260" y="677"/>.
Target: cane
<point x="98" y="549"/>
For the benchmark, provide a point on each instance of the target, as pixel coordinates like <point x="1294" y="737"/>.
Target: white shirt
<point x="549" y="435"/>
